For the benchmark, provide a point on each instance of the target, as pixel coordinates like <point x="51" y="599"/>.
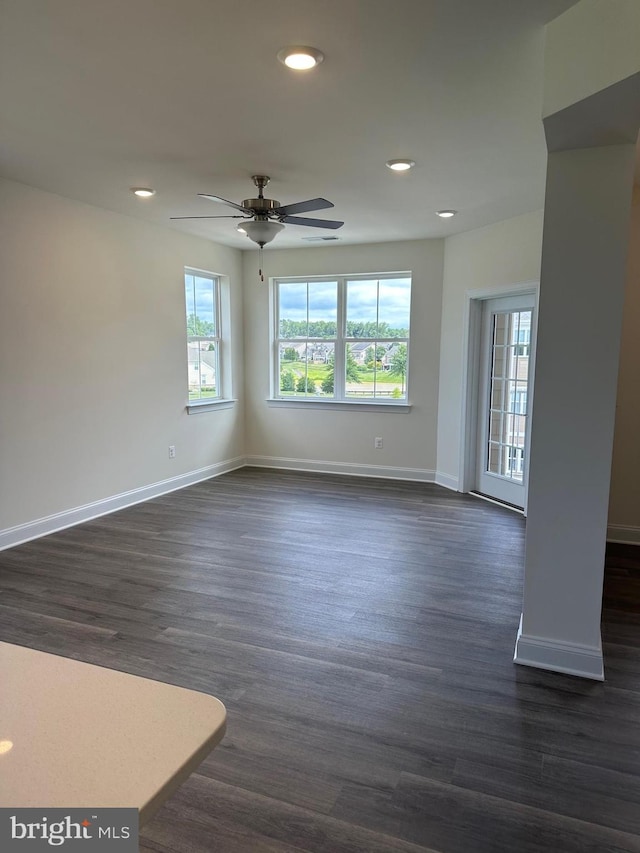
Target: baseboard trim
<point x="557" y="656"/>
<point x="13" y="536"/>
<point x="623" y="535"/>
<point x="447" y="480"/>
<point x="347" y="468"/>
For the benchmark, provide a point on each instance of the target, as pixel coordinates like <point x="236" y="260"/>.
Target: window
<point x="518" y="399"/>
<point x="203" y="335"/>
<point x="342" y="338"/>
<point x="522" y="335"/>
<point x="515" y="463"/>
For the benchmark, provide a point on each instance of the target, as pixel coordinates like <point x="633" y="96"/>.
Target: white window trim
<point x="340" y="401"/>
<point x="338" y="405"/>
<point x="196" y="407"/>
<point x="220" y="401"/>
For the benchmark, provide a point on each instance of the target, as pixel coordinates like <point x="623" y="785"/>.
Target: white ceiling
<point x="187" y="96"/>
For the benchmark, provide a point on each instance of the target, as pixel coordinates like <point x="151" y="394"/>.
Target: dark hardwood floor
<point x="361" y="635"/>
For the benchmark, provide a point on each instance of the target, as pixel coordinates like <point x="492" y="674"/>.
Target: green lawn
<point x="205" y="394"/>
<point x="317" y="373"/>
<point x="385" y="381"/>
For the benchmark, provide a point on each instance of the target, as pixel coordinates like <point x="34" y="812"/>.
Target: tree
<point x="306" y="385"/>
<point x="287" y="380"/>
<point x="327" y="382"/>
<point x="373" y="355"/>
<point x="198" y="328"/>
<point x="399" y="363"/>
<point x="352" y="372"/>
<point x="352" y="369"/>
<point x="290" y="354"/>
<point x="290" y="329"/>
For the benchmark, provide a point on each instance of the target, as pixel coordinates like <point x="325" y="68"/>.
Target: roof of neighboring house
<point x="207" y="357"/>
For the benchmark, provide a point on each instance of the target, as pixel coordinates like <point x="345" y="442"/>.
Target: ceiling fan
<point x="263" y="218"/>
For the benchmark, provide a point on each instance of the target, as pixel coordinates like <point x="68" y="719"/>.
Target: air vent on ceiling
<point x="319" y="239"/>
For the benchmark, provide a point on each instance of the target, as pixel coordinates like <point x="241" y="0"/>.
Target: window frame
<point x="339" y="343"/>
<point x="218" y="400"/>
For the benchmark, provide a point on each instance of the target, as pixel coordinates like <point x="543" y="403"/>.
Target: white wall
<point x="93" y="356"/>
<point x="91" y="310"/>
<point x="499" y="256"/>
<point x="624" y="499"/>
<point x="343" y="440"/>
<point x="605" y="31"/>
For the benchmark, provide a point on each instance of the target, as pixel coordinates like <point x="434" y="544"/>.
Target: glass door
<point x="505" y="398"/>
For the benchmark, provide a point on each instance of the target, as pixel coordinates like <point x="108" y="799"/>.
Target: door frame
<point x="471" y="372"/>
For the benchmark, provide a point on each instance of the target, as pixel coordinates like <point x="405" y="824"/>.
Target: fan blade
<point x="315" y="223"/>
<point x="304" y="206"/>
<point x="223" y="201"/>
<point x="228" y="216"/>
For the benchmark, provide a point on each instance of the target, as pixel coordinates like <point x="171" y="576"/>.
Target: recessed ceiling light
<point x="446" y="214"/>
<point x="402" y="165"/>
<point x="300" y="57"/>
<point x="143" y="192"/>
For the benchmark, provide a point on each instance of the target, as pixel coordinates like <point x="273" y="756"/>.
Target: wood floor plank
<point x="261" y="820"/>
<point x="451" y="818"/>
<point x="361" y="634"/>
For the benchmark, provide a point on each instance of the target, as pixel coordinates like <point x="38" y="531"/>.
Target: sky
<point x="365" y="298"/>
<point x="199" y="297"/>
<point x="362" y="296"/>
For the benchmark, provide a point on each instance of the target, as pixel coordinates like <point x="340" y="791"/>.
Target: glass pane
<point x="378" y="308"/>
<point x="508" y="394"/>
<point x="362" y="309"/>
<point x="190" y="297"/>
<point x="360" y="380"/>
<point x="394" y="372"/>
<point x="496" y="428"/>
<point x="494" y="462"/>
<point x="393" y="308"/>
<point x="200" y="306"/>
<point x="308" y="309"/>
<point x="497" y="394"/>
<point x="306" y="370"/>
<point x="501" y="362"/>
<point x="376" y="370"/>
<point x="323" y="309"/>
<point x="202" y="369"/>
<point x="292" y="309"/>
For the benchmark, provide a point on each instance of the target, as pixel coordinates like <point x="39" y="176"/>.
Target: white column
<point x="592" y="111"/>
<point x="585" y="243"/>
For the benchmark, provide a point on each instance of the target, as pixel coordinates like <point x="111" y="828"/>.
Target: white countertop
<point x="77" y="735"/>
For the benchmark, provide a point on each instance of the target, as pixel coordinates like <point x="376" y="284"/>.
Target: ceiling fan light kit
<point x="261" y="231"/>
<point x="300" y="57"/>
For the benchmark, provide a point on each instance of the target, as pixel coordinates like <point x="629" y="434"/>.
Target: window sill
<point x="197" y="407"/>
<point x="338" y="405"/>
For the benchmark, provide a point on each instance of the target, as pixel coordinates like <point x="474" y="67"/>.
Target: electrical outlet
<point x="377" y="443"/>
<point x="172" y="451"/>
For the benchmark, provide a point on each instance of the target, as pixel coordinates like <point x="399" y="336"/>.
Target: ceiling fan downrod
<point x="260" y="181"/>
